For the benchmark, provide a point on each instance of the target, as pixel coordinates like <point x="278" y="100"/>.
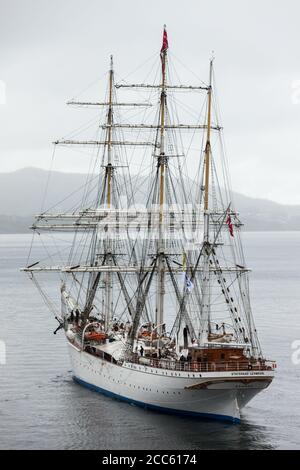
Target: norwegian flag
<point x="165" y="44"/>
<point x="164" y="49"/>
<point x="229" y="223"/>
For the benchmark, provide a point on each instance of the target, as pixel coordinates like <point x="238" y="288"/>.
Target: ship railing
<point x="188" y="366"/>
<point x="193" y="367"/>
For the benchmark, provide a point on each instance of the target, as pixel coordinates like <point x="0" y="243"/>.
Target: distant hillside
<point x="22" y="194"/>
<point x="265" y="215"/>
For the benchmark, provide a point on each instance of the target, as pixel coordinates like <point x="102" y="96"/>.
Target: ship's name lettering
<point x="246" y="373"/>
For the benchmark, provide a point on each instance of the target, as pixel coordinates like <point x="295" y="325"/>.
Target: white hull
<point x="218" y="395"/>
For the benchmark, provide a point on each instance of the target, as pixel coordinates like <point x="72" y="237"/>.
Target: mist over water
<point x="42" y="408"/>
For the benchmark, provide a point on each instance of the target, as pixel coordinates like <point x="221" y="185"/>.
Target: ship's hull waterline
<point x="212" y="395"/>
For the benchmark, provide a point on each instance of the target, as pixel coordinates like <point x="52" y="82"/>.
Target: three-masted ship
<point x="154" y="296"/>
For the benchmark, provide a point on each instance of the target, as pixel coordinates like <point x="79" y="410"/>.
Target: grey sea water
<point x="42" y="408"/>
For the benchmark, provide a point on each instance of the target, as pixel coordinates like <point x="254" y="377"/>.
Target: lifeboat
<point x="95" y="336"/>
<point x="148" y="335"/>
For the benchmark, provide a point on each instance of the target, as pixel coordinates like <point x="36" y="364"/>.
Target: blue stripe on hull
<point x="160" y="409"/>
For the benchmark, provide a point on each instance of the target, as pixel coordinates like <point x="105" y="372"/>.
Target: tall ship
<point x="154" y="288"/>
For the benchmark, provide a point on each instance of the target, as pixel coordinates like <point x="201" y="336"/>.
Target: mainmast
<point x="205" y="330"/>
<point x="162" y="166"/>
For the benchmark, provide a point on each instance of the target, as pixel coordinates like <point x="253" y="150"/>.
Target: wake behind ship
<point x="154" y="290"/>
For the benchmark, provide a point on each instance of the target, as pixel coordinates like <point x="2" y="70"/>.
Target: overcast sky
<point x="50" y="50"/>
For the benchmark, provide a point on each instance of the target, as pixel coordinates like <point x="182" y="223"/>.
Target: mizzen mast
<point x="208" y="132"/>
<point x="205" y="307"/>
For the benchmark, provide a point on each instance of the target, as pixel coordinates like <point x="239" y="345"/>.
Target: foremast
<point x="108" y="175"/>
<point x="104" y="199"/>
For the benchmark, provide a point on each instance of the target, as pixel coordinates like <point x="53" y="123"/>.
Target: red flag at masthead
<point x="165" y="43"/>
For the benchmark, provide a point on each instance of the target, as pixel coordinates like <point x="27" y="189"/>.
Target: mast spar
<point x="162" y="167"/>
<point x="109" y="170"/>
<point x="208" y="132"/>
<point x="109" y="130"/>
<point x="104" y="197"/>
<point x="205" y="307"/>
